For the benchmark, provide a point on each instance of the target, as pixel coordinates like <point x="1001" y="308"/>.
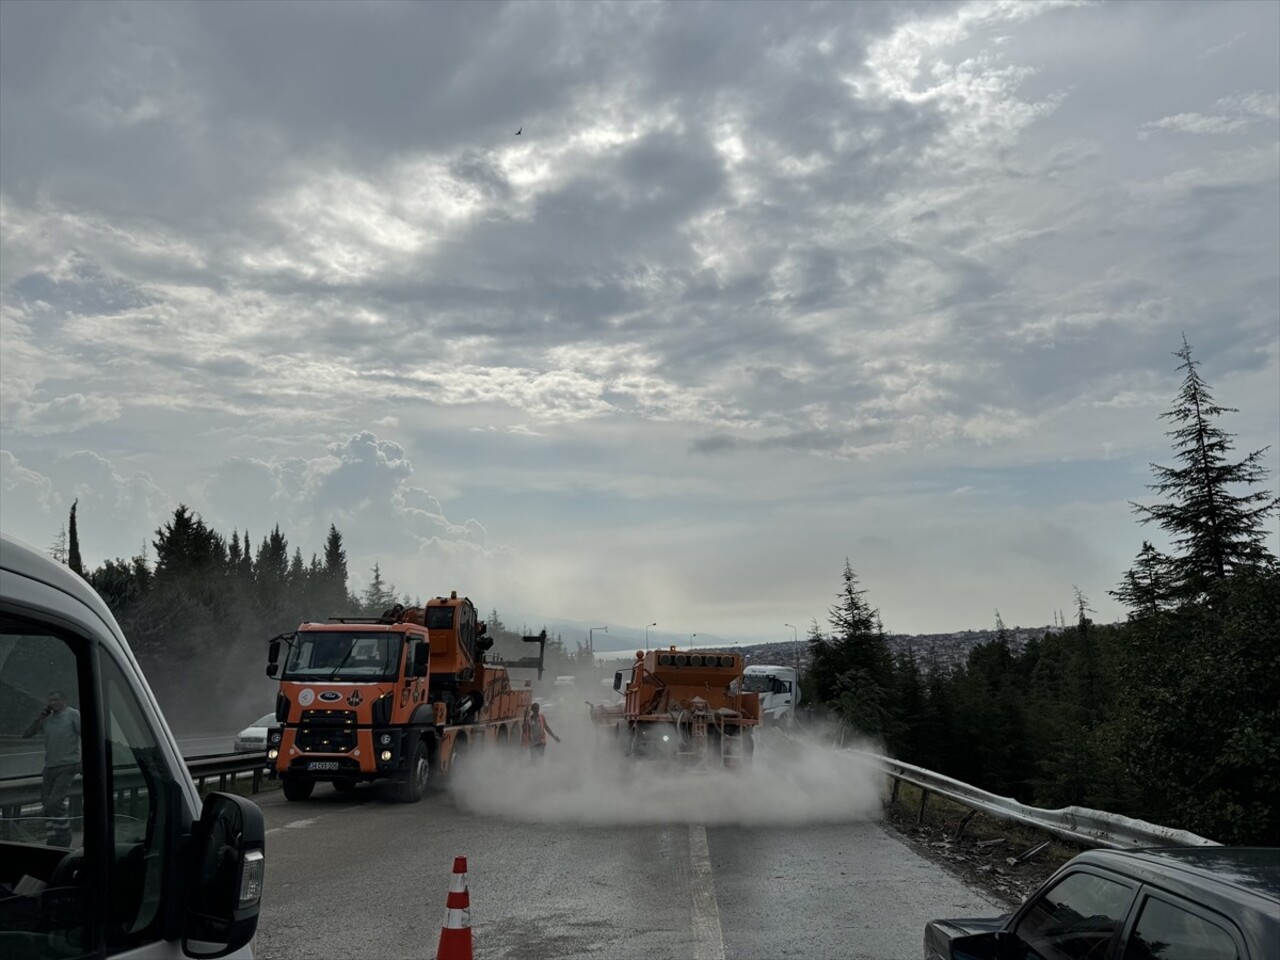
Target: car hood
<point x="938" y="934"/>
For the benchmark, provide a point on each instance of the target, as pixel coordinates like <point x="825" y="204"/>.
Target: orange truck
<point x="398" y="698"/>
<point x="683" y="706"/>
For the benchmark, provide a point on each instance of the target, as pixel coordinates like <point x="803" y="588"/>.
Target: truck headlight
<point x="385" y="756"/>
<point x="272" y="753"/>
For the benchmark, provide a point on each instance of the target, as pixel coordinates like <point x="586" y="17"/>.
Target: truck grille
<point x="327" y="731"/>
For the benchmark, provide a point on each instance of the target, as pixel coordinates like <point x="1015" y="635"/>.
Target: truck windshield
<point x="344" y="656"/>
<point x="757" y="684"/>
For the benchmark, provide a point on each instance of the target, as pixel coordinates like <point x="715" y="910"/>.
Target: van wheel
<point x="412" y="783"/>
<point x="297" y="788"/>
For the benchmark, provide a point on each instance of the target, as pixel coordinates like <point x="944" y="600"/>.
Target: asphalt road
<point x="351" y="876"/>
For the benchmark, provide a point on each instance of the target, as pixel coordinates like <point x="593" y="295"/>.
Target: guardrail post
<point x="964" y="822"/>
<point x="893" y="795"/>
<point x="924" y="799"/>
<point x="257" y="779"/>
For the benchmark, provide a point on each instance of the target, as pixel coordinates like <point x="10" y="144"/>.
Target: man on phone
<point x="60" y="724"/>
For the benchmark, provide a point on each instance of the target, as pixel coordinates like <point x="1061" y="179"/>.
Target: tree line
<point x="1172" y="716"/>
<point x="198" y="612"/>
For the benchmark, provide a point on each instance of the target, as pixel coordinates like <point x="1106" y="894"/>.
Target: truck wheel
<point x="297" y="788"/>
<point x="414" y="780"/>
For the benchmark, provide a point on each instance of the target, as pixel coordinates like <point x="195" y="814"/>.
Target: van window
<point x="46" y="860"/>
<point x="143" y="801"/>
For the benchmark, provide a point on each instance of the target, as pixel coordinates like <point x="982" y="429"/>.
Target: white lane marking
<point x="297" y="823"/>
<point x="708" y="938"/>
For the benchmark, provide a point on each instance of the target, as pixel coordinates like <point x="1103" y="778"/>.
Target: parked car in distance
<point x="1168" y="903"/>
<point x="253" y="738"/>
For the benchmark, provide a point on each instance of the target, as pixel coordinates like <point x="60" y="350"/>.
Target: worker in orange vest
<point x="536" y="730"/>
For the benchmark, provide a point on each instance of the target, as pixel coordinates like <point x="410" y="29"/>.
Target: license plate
<point x="322" y="765"/>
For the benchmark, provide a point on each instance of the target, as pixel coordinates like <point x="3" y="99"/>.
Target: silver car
<point x="253" y="738"/>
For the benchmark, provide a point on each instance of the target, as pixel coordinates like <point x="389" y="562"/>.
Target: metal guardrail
<point x="1093" y="828"/>
<point x="23" y="792"/>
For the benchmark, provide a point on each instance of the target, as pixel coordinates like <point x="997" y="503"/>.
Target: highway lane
<point x="351" y="876"/>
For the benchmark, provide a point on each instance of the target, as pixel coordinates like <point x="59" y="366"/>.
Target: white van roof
<point x="26" y="561"/>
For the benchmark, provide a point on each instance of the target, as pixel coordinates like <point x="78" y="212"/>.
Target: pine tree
<point x="1217" y="531"/>
<point x="1146" y="588"/>
<point x="852" y="668"/>
<point x="58" y="549"/>
<point x="335" y="558"/>
<point x="73" y="554"/>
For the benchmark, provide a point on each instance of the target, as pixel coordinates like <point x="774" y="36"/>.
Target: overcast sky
<point x="757" y="288"/>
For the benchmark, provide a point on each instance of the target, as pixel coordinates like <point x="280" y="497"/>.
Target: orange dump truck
<point x="395" y="698"/>
<point x="683" y="706"/>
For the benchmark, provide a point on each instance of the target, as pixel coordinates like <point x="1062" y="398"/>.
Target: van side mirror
<point x="225" y="894"/>
<point x="617" y="681"/>
<point x="420" y="653"/>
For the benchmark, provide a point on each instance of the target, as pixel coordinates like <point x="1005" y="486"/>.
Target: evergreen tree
<point x="379" y="596"/>
<point x="58" y="549"/>
<point x="73" y="554"/>
<point x="1146" y="587"/>
<point x="1216" y="529"/>
<point x="186" y="546"/>
<point x="852" y="668"/>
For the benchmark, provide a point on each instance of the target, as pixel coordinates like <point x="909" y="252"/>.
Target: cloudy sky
<point x="757" y="288"/>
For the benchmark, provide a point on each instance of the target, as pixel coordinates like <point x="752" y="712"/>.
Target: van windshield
<point x="334" y="655"/>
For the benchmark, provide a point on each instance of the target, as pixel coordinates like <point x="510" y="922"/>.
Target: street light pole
<point x="646" y="635"/>
<point x="691" y="636"/>
<point x="591" y="645"/>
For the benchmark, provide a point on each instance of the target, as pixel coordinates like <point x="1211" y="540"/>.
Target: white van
<point x="105" y="847"/>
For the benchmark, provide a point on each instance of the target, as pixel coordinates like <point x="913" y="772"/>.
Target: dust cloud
<point x="795" y="779"/>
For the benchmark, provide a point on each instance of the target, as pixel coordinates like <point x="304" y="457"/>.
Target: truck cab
<point x="779" y="691"/>
<point x="106" y="849"/>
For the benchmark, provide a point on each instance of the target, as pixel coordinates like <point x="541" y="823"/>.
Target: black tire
<point x="459" y="758"/>
<point x="413" y="782"/>
<point x="344" y="786"/>
<point x="297" y="788"/>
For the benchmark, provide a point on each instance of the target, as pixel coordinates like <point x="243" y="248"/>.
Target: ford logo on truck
<point x="330" y="695"/>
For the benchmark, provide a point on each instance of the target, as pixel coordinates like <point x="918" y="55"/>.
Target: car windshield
<point x="266" y="720"/>
<point x="333" y="655"/>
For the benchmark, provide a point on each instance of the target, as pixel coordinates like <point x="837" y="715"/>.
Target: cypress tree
<point x="73" y="554"/>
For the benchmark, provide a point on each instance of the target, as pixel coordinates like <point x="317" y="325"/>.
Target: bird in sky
<point x="518" y="131"/>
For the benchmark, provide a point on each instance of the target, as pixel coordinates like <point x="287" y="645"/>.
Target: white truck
<point x="779" y="690"/>
<point x="106" y="849"/>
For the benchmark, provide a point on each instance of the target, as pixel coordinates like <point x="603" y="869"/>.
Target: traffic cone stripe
<point x="455" y="935"/>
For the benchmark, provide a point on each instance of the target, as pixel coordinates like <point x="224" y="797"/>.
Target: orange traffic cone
<point x="455" y="935"/>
